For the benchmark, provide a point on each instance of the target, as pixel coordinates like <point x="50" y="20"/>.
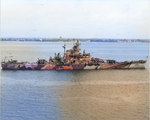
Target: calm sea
<point x="74" y="94"/>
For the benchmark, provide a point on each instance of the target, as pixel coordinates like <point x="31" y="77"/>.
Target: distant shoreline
<point x="71" y="40"/>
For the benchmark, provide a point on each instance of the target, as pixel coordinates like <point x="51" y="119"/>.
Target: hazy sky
<point x="75" y="18"/>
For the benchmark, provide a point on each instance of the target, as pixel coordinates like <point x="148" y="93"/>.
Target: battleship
<point x="72" y="59"/>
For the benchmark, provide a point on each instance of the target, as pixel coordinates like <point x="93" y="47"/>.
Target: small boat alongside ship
<point x="72" y="59"/>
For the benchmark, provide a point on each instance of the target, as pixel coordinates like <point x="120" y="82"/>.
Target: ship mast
<point x="64" y="50"/>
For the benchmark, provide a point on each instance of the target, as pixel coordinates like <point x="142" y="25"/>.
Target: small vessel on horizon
<point x="72" y="59"/>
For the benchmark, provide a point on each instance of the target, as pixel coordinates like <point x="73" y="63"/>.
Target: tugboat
<point x="72" y="59"/>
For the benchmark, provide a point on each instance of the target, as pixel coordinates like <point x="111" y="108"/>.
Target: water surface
<point x="75" y="94"/>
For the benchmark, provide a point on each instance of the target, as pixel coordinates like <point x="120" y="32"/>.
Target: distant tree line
<point x="72" y="39"/>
